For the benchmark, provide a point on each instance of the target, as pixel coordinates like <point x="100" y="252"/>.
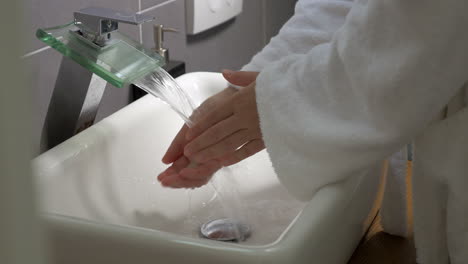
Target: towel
<point x="379" y="82"/>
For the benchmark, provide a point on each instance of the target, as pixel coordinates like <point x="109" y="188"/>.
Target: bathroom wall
<point x="229" y="45"/>
<point x="19" y="223"/>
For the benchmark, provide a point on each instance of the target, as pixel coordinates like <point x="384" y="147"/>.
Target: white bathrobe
<point x="336" y="95"/>
<point x="313" y="23"/>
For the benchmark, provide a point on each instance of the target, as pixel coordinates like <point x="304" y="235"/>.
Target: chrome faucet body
<point x="78" y="91"/>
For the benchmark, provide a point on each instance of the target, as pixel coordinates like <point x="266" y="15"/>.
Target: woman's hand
<point x="228" y="134"/>
<point x="185" y="174"/>
<point x="176" y="149"/>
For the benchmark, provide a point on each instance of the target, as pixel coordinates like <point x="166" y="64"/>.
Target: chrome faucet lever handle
<point x="100" y="21"/>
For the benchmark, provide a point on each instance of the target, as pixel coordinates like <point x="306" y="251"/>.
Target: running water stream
<point x="234" y="219"/>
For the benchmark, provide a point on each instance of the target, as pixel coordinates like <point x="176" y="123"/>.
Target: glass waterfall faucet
<point x="93" y="41"/>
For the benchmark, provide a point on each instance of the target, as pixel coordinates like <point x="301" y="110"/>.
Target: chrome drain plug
<point x="225" y="229"/>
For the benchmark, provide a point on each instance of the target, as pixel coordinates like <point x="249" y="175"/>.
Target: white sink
<point x="102" y="203"/>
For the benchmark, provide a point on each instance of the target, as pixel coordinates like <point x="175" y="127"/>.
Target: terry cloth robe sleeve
<point x="314" y="22"/>
<point x="353" y="101"/>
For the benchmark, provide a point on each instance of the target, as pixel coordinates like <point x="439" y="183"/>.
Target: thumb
<point x="241" y="78"/>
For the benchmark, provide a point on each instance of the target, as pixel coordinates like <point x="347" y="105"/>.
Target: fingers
<point x="175" y="168"/>
<point x="217" y="131"/>
<point x="208" y="120"/>
<point x="176" y="149"/>
<point x="212" y="136"/>
<point x="202" y="171"/>
<point x="244" y="152"/>
<point x="178" y="182"/>
<point x="212" y="103"/>
<point x="207" y="106"/>
<point x="191" y="177"/>
<point x="241" y="78"/>
<point x="227" y="145"/>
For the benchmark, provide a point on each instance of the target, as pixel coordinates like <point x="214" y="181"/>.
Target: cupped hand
<point x="186" y="174"/>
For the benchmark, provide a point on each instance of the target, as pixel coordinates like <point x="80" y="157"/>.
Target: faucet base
<point x="74" y="104"/>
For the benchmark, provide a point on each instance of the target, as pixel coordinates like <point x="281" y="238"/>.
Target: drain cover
<point x="225" y="229"/>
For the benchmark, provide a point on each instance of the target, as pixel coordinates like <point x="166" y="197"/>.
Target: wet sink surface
<point x="99" y="191"/>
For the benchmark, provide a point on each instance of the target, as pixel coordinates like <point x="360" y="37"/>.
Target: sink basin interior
<point x="108" y="174"/>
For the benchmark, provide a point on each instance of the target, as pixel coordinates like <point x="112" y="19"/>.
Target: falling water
<point x="161" y="85"/>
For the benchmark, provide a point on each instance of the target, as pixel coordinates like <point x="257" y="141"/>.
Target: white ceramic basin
<point x="102" y="203"/>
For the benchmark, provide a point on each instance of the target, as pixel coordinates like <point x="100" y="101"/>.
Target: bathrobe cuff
<point x="297" y="171"/>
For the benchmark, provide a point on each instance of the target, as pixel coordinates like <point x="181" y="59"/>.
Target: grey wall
<point x="228" y="46"/>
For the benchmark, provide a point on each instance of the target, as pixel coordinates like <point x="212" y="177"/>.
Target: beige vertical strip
<point x="19" y="232"/>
